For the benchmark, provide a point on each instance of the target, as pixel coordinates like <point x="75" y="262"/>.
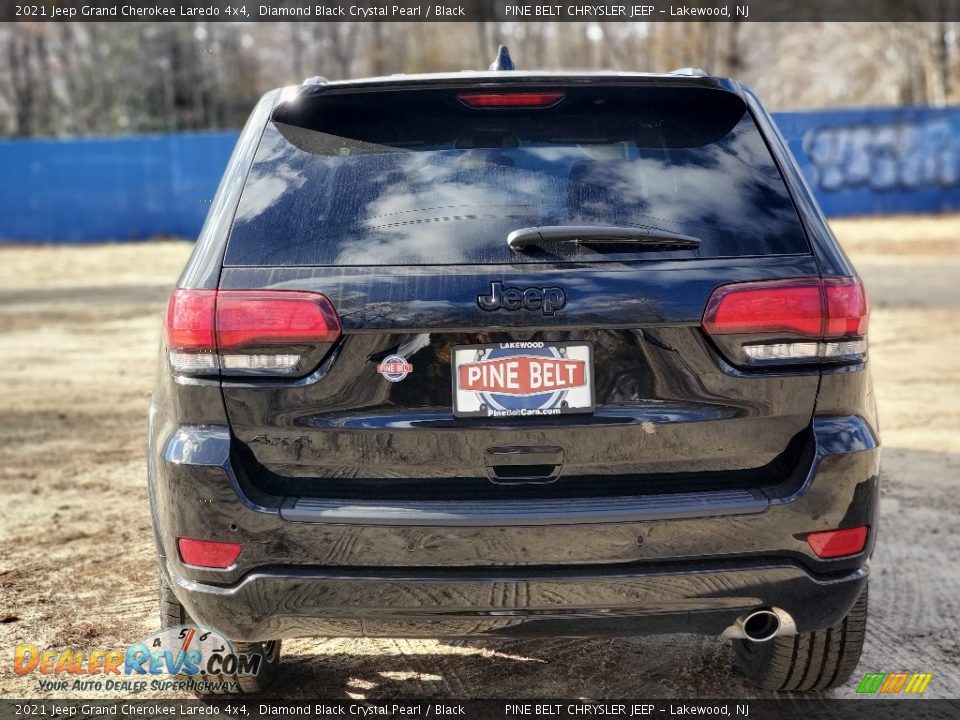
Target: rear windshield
<point x="415" y="177"/>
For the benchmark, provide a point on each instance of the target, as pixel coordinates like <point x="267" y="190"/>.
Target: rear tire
<point x="173" y="614"/>
<point x="818" y="660"/>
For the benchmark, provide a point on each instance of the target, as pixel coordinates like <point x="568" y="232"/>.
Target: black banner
<point x="478" y="10"/>
<point x="787" y="709"/>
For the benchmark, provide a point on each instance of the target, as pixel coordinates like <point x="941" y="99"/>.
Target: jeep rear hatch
<point x="462" y="367"/>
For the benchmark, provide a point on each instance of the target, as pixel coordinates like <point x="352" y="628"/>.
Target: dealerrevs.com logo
<point x="181" y="658"/>
<point x="898" y="683"/>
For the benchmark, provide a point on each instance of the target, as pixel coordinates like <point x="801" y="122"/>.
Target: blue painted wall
<point x="859" y="162"/>
<point x="879" y="161"/>
<point x="109" y="189"/>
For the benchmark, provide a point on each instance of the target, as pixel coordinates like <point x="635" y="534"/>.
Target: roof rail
<point x="690" y="72"/>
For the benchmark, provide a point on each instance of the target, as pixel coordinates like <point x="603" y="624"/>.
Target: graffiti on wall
<point x="883" y="157"/>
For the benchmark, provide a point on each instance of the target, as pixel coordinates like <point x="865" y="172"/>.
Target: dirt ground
<point x="79" y="328"/>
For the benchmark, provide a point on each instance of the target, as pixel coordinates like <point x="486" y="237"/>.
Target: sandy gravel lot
<point x="79" y="329"/>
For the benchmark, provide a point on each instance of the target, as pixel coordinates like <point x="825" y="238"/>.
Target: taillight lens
<point x="242" y="332"/>
<point x="798" y="320"/>
<point x="246" y="318"/>
<point x="791" y="306"/>
<point x="507" y="100"/>
<point x="190" y="321"/>
<point x="847" y="311"/>
<point x="190" y="331"/>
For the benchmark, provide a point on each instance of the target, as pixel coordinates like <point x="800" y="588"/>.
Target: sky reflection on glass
<point x="391" y="206"/>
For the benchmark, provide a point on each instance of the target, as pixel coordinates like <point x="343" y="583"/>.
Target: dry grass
<point x="891" y="238"/>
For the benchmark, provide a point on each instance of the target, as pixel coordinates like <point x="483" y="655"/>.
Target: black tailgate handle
<point x="523" y="464"/>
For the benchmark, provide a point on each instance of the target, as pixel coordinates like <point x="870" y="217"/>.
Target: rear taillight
<point x="847" y="311"/>
<point x="269" y="317"/>
<point x="507" y="100"/>
<point x="242" y="332"/>
<point x="190" y="331"/>
<point x="789" y="321"/>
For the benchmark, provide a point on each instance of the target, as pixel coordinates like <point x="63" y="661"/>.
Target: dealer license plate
<point x="522" y="379"/>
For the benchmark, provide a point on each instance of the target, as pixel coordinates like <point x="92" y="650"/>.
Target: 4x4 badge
<point x="547" y="299"/>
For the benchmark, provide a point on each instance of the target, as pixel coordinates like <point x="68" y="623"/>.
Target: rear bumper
<point x="680" y="563"/>
<point x="704" y="598"/>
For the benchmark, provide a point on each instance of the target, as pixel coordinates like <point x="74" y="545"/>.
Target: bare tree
<point x="90" y="78"/>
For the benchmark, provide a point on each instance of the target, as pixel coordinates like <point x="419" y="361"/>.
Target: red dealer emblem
<point x="395" y="368"/>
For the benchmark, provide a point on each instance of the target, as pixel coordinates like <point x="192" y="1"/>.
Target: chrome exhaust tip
<point x="762" y="625"/>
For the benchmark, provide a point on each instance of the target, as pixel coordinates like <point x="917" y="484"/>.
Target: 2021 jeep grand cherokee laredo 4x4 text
<point x="519" y="354"/>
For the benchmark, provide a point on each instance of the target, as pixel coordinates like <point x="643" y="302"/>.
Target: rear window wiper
<point x="546" y="235"/>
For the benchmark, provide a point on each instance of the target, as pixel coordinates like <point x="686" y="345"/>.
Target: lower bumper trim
<point x="541" y="511"/>
<point x="707" y="600"/>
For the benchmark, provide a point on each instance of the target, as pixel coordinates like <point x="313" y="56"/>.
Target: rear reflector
<point x="511" y="99"/>
<point x="807" y="319"/>
<point x="207" y="553"/>
<point x="837" y="543"/>
<point x="250" y="325"/>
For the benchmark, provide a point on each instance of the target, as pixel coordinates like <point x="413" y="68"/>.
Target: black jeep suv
<point x="519" y="354"/>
